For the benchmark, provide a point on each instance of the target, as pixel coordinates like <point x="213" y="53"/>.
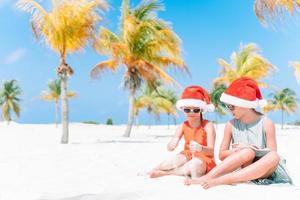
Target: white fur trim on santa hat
<point x="232" y="100"/>
<point x="194" y="103"/>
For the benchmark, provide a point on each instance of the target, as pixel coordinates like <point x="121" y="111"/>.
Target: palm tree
<point x="148" y="100"/>
<point x="67" y="28"/>
<point x="9" y="99"/>
<point x="270" y="9"/>
<point x="145" y="46"/>
<point x="156" y="100"/>
<point x="54" y="94"/>
<point x="215" y="96"/>
<point x="284" y="100"/>
<point x="296" y="66"/>
<point x="247" y="62"/>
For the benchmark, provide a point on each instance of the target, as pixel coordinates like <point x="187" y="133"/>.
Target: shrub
<point x="109" y="121"/>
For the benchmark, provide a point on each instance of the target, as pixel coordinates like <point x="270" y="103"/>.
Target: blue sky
<point x="209" y="29"/>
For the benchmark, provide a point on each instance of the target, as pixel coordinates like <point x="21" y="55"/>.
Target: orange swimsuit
<point x="199" y="135"/>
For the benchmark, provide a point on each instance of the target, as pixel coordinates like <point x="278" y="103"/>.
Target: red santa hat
<point x="243" y="92"/>
<point x="195" y="96"/>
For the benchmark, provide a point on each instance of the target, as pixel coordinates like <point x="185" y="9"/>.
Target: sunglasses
<point x="195" y="110"/>
<point x="230" y="107"/>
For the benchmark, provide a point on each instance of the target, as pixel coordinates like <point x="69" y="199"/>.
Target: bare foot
<point x="158" y="173"/>
<point x="200" y="180"/>
<point x="188" y="181"/>
<point x="210" y="183"/>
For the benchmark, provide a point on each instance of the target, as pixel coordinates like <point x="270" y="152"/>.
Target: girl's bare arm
<point x="270" y="134"/>
<point x="224" y="149"/>
<point x="211" y="138"/>
<point x="175" y="139"/>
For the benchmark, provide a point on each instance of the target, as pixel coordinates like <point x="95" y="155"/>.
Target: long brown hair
<point x="201" y="117"/>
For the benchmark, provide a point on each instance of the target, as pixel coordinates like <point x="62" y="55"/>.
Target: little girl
<point x="254" y="147"/>
<point x="197" y="158"/>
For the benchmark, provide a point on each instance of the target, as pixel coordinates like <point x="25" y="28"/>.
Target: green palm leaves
<point x="215" y="96"/>
<point x="156" y="100"/>
<point x="9" y="99"/>
<point x="283" y="100"/>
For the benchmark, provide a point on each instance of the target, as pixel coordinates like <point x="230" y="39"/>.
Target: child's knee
<point x="195" y="167"/>
<point x="247" y="155"/>
<point x="274" y="156"/>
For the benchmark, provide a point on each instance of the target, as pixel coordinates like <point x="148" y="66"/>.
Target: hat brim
<point x="232" y="100"/>
<point x="194" y="103"/>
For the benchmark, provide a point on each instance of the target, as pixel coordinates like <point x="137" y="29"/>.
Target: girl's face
<point x="236" y="111"/>
<point x="192" y="112"/>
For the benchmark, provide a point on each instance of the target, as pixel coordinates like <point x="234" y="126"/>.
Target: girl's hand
<point x="195" y="146"/>
<point x="254" y="146"/>
<point x="239" y="145"/>
<point x="173" y="144"/>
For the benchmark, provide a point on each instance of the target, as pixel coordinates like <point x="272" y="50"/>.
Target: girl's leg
<point x="173" y="162"/>
<point x="262" y="168"/>
<point x="194" y="168"/>
<point x="229" y="164"/>
<point x="166" y="166"/>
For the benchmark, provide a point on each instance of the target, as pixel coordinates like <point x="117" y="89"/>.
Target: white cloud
<point x="15" y="56"/>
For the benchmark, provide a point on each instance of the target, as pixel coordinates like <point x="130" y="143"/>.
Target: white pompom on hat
<point x="243" y="92"/>
<point x="195" y="96"/>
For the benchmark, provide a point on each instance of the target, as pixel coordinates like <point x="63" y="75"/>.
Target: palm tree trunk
<point x="130" y="114"/>
<point x="56" y="114"/>
<point x="9" y="117"/>
<point x="174" y="119"/>
<point x="64" y="110"/>
<point x="168" y="121"/>
<point x="137" y="121"/>
<point x="150" y="121"/>
<point x="282" y="119"/>
<point x="8" y="121"/>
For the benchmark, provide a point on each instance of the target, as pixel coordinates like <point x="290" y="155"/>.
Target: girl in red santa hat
<point x="197" y="158"/>
<point x="253" y="154"/>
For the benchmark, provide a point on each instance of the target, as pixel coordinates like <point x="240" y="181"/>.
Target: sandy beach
<point x="101" y="164"/>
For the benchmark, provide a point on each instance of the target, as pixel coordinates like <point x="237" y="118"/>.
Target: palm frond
<point x="16" y="109"/>
<point x="46" y="96"/>
<point x="145" y="46"/>
<point x="284" y="100"/>
<point x="296" y="66"/>
<point x="268" y="10"/>
<point x="104" y="65"/>
<point x="247" y="62"/>
<point x="6" y="111"/>
<point x="71" y="94"/>
<point x="125" y="10"/>
<point x="244" y="54"/>
<point x="69" y="26"/>
<point x="147" y="9"/>
<point x="108" y="43"/>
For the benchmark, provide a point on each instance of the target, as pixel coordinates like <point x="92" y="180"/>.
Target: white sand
<point x="99" y="164"/>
